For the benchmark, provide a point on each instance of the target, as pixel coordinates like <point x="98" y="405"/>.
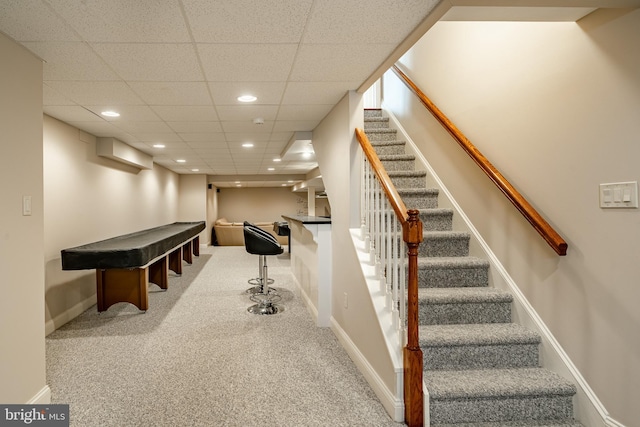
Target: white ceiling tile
<point x="202" y="136"/>
<point x="247" y="62"/>
<point x="159" y="137"/>
<point x="127" y="112"/>
<point x="172" y="93"/>
<point x="227" y="93"/>
<point x="303" y="112"/>
<point x="185" y="113"/>
<point x="247" y="136"/>
<point x="100" y="128"/>
<point x="135" y="127"/>
<point x="62" y="59"/>
<point x="280" y="136"/>
<point x="339" y="21"/>
<point x="139" y="58"/>
<point x="213" y="151"/>
<point x="170" y="146"/>
<point x="32" y="20"/>
<point x="213" y="145"/>
<point x="303" y="93"/>
<point x="247" y="21"/>
<point x="50" y="96"/>
<point x="247" y="126"/>
<point x="247" y="112"/>
<point x="97" y="93"/>
<point x="195" y="127"/>
<point x="70" y="113"/>
<point x="151" y="62"/>
<point x="339" y="62"/>
<point x="295" y="126"/>
<point x="125" y="20"/>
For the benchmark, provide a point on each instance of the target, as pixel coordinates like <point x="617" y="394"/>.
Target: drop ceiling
<point x="173" y="69"/>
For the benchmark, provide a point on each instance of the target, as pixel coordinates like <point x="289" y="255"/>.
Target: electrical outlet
<point x="346" y="300"/>
<point x="26" y="205"/>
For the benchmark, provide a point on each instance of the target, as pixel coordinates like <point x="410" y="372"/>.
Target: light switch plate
<point x="619" y="195"/>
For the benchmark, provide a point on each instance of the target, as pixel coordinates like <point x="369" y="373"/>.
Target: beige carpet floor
<point x="198" y="358"/>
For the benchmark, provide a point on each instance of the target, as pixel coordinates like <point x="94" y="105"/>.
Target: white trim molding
<point x="43" y="397"/>
<point x="393" y="405"/>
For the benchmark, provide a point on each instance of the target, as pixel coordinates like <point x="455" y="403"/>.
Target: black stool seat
<point x="260" y="242"/>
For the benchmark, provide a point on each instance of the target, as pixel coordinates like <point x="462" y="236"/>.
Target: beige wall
<point x="89" y="198"/>
<point x="193" y="202"/>
<point x="258" y="204"/>
<point x="22" y="354"/>
<point x="555" y="106"/>
<point x="336" y="147"/>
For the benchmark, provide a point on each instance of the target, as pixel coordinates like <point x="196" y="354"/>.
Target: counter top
<point x="305" y="219"/>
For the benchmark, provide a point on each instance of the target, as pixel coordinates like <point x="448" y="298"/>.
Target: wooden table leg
<point x="159" y="273"/>
<point x="175" y="261"/>
<point x="196" y="246"/>
<point x="122" y="285"/>
<point x="187" y="253"/>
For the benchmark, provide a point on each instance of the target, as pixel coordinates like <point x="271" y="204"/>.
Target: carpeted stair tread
<point x="476" y="334"/>
<point x="376" y="144"/>
<point x="452" y="272"/>
<point x="391" y="147"/>
<point x="418" y="191"/>
<point x="382" y="131"/>
<point x="452" y="262"/>
<point x="395" y="157"/>
<point x="496" y="383"/>
<point x="406" y="174"/>
<point x="445" y="235"/>
<point x="372" y="112"/>
<point x="444" y="243"/>
<point x="464" y="295"/>
<point x="376" y="119"/>
<point x="538" y="423"/>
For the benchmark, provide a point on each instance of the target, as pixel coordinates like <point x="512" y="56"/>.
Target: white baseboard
<point x="68" y="315"/>
<point x="393" y="405"/>
<point x="43" y="397"/>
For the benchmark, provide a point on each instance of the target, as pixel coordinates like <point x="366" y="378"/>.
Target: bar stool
<point x="261" y="243"/>
<point x="256" y="281"/>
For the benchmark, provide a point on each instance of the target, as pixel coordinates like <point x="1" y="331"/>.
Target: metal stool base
<point x="258" y="289"/>
<point x="267" y="309"/>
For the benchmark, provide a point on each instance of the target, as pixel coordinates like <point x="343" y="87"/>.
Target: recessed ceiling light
<point x="181" y="161"/>
<point x="238" y="185"/>
<point x="110" y="114"/>
<point x="237" y="182"/>
<point x="158" y="145"/>
<point x="247" y="98"/>
<point x="306" y="155"/>
<point x="277" y="159"/>
<point x="290" y="181"/>
<point x="271" y="169"/>
<point x="247" y="145"/>
<point x="195" y="170"/>
<point x="284" y="185"/>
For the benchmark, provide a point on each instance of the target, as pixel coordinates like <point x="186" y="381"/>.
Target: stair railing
<point x="547" y="232"/>
<point x="385" y="221"/>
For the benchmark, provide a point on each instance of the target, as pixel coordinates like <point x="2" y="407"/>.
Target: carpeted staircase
<point x="480" y="369"/>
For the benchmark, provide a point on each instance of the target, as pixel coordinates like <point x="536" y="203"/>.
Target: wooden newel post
<point x="412" y="354"/>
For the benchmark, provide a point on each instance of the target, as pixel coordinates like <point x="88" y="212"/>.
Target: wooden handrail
<point x="412" y="236"/>
<point x="535" y="219"/>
